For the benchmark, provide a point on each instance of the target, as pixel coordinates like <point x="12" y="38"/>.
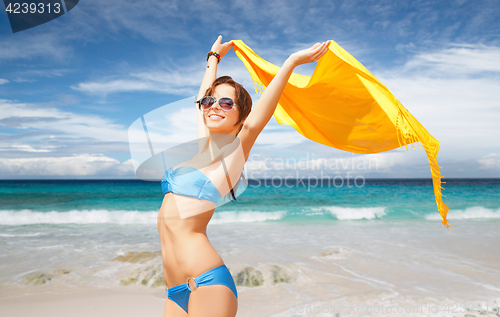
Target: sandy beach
<point x="88" y="303"/>
<point x="350" y="269"/>
<point x="106" y="303"/>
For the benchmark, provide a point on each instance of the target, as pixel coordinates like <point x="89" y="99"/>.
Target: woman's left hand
<point x="309" y="55"/>
<point x="221" y="48"/>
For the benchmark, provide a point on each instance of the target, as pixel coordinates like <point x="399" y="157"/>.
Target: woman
<point x="198" y="282"/>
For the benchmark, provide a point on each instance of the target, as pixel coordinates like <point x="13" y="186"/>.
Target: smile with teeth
<point x="215" y="116"/>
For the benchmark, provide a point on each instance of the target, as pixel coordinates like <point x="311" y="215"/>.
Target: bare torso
<point x="185" y="247"/>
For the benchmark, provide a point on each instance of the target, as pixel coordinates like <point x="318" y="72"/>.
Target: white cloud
<point x="129" y="85"/>
<point x="490" y="162"/>
<point x="393" y="163"/>
<point x="78" y="165"/>
<point x="50" y="73"/>
<point x="278" y="139"/>
<point x="68" y="130"/>
<point x="451" y="94"/>
<point x="26" y="45"/>
<point x="462" y="59"/>
<point x="3" y="81"/>
<point x="33" y="116"/>
<point x="23" y="80"/>
<point x="28" y="148"/>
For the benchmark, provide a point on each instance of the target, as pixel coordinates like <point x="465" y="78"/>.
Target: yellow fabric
<point x="344" y="106"/>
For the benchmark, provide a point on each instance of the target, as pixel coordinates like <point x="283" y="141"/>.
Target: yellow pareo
<point x="344" y="106"/>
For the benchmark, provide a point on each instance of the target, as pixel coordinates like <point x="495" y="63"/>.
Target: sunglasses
<point x="225" y="103"/>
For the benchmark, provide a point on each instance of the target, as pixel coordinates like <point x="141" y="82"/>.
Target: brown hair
<point x="243" y="100"/>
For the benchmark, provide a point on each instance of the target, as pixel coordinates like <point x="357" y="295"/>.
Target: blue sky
<point x="70" y="88"/>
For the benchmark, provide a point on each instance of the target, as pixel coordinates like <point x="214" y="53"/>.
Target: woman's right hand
<point x="222" y="49"/>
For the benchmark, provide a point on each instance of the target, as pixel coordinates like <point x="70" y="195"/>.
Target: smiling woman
<point x="198" y="282"/>
<point x="224" y="91"/>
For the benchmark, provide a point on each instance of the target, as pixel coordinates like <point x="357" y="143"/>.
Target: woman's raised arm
<point x="265" y="106"/>
<point x="208" y="79"/>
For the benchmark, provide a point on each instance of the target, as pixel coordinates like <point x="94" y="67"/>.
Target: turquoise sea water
<point x="24" y="202"/>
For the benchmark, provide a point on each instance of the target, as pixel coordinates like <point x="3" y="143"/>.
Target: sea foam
<point x="29" y="217"/>
<point x="477" y="212"/>
<point x="346" y="213"/>
<point x="245" y="216"/>
<point x="122" y="217"/>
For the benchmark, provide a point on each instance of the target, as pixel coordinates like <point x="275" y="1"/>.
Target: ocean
<point x="316" y="246"/>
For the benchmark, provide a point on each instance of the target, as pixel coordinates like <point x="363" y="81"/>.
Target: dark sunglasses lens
<point x="226" y="103"/>
<point x="206" y="102"/>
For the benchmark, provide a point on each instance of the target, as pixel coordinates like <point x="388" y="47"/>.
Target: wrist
<point x="215" y="54"/>
<point x="212" y="58"/>
<point x="290" y="62"/>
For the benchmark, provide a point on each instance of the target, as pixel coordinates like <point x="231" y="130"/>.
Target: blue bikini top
<point x="189" y="181"/>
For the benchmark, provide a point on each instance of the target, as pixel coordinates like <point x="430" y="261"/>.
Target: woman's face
<point x="219" y="121"/>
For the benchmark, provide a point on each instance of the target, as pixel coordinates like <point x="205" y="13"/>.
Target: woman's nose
<point x="216" y="105"/>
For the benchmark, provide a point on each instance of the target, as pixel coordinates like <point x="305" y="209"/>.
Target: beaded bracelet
<point x="214" y="54"/>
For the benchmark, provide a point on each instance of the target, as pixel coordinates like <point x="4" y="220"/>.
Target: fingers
<point x="324" y="48"/>
<point x="321" y="50"/>
<point x="322" y="45"/>
<point x="316" y="45"/>
<point x="320" y="54"/>
<point x="316" y="48"/>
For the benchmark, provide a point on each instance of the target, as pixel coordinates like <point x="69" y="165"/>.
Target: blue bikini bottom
<point x="219" y="275"/>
